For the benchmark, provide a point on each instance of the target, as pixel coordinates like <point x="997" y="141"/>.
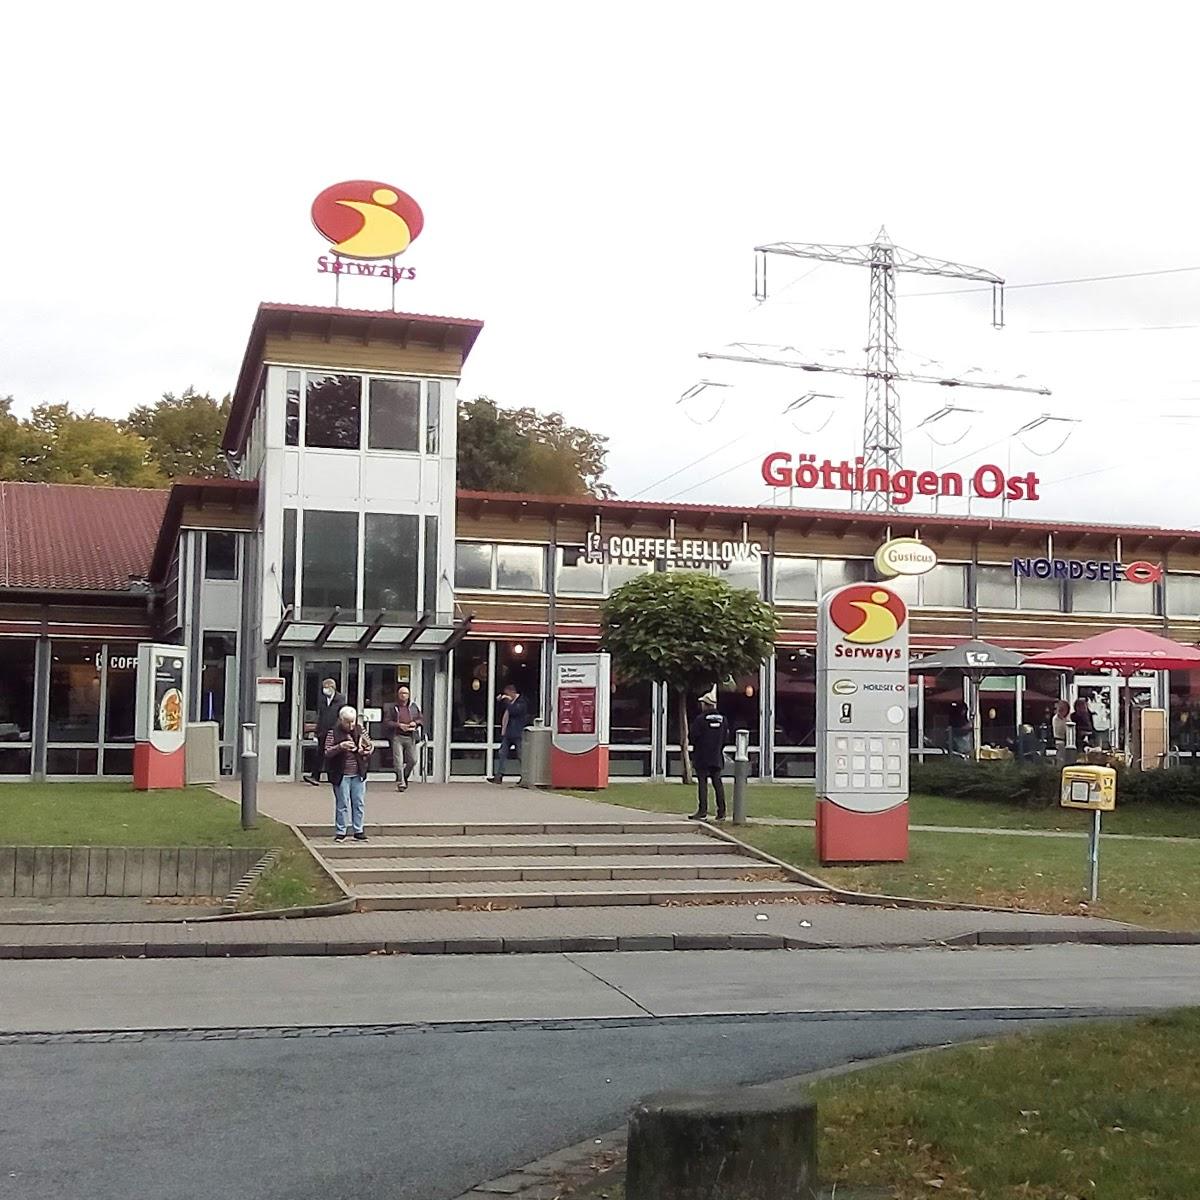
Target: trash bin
<point x="535" y="756"/>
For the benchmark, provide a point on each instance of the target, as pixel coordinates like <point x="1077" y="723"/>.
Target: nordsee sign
<point x="1086" y="568"/>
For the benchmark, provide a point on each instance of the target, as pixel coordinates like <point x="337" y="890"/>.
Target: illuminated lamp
<point x="475" y="685"/>
<point x="749" y="691"/>
<point x="518" y="648"/>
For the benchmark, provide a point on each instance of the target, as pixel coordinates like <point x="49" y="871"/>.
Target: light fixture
<point x="475" y="685"/>
<point x="749" y="691"/>
<point x="518" y="648"/>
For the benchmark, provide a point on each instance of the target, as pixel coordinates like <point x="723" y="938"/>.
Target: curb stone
<point x="203" y="948"/>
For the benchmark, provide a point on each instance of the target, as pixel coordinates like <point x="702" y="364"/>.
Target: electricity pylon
<point x="882" y="431"/>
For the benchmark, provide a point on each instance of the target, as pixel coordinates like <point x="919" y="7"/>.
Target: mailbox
<point x="1089" y="787"/>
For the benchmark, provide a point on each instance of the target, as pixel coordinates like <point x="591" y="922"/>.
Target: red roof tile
<point x="60" y="536"/>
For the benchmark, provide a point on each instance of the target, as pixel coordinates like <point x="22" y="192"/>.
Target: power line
<point x="1117" y="329"/>
<point x="687" y="467"/>
<point x="1065" y="282"/>
<point x="692" y="487"/>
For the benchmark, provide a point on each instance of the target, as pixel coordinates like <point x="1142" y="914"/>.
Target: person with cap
<point x="708" y="735"/>
<point x="329" y="704"/>
<point x="348" y="756"/>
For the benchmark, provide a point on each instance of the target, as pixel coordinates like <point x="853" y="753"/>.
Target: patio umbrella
<point x="1125" y="651"/>
<point x="976" y="660"/>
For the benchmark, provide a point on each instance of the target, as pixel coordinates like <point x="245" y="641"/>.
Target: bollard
<point x="741" y="772"/>
<point x="746" y="1143"/>
<point x="249" y="779"/>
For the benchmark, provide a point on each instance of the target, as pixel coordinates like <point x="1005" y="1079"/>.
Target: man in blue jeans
<point x="512" y="728"/>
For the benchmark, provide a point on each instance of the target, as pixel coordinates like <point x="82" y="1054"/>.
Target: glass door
<point x="380" y="681"/>
<point x="1100" y="720"/>
<point x="315" y="673"/>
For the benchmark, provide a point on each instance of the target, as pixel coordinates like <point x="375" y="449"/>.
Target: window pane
<point x="429" y="601"/>
<point x="433" y="416"/>
<point x="288" y="584"/>
<point x="220" y="555"/>
<point x="473" y="565"/>
<point x="287" y="669"/>
<point x="619" y="573"/>
<point x="470" y="693"/>
<point x="118" y="762"/>
<point x="75" y="692"/>
<point x="1136" y="597"/>
<point x="292" y="402"/>
<point x="331" y="411"/>
<point x="122" y="694"/>
<point x="521" y="568"/>
<point x="796" y="579"/>
<point x="907" y="587"/>
<point x="747" y="575"/>
<point x="576" y="574"/>
<point x="945" y="586"/>
<point x="1044" y="595"/>
<point x="216" y="647"/>
<point x="631" y="713"/>
<point x="394" y="414"/>
<point x="1090" y="595"/>
<point x="330" y="567"/>
<point x="1183" y="595"/>
<point x="795" y="698"/>
<point x="995" y="587"/>
<point x="519" y="663"/>
<point x="837" y="572"/>
<point x="72" y="762"/>
<point x="390" y="563"/>
<point x="16" y="701"/>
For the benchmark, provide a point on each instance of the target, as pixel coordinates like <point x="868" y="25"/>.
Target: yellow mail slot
<point x="1089" y="787"/>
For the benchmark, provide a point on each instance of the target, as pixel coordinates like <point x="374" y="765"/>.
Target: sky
<point x="594" y="179"/>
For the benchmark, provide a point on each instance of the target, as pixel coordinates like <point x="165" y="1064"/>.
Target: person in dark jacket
<point x="348" y="755"/>
<point x="708" y="735"/>
<point x="512" y="728"/>
<point x="329" y="703"/>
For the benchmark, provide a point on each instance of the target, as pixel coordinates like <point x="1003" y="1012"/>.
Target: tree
<point x="12" y="441"/>
<point x="57" y="445"/>
<point x="183" y="433"/>
<point x="522" y="450"/>
<point x="687" y="630"/>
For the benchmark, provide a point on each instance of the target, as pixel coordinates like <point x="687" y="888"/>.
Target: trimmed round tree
<point x="688" y="631"/>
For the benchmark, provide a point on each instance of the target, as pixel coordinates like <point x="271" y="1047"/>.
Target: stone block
<point x="647" y="941"/>
<point x="151" y="859"/>
<point x="588" y="945"/>
<point x="479" y="945"/>
<point x="114" y="875"/>
<point x="135" y="857"/>
<point x="702" y="941"/>
<point x="43" y="870"/>
<point x="168" y="873"/>
<point x="8" y="869"/>
<point x="81" y="856"/>
<point x="533" y="945"/>
<point x="754" y="1143"/>
<point x="222" y="873"/>
<point x="60" y="871"/>
<point x="202" y="879"/>
<point x="186" y="885"/>
<point x="24" y="871"/>
<point x="97" y="870"/>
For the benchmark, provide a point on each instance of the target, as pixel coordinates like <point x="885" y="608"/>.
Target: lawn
<point x="1086" y="1112"/>
<point x="112" y="814"/>
<point x="1156" y="884"/>
<point x="796" y="801"/>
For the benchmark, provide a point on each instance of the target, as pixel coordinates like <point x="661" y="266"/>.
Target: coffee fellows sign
<point x="674" y="552"/>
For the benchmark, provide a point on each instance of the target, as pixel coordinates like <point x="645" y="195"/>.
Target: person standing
<point x="512" y="728"/>
<point x="404" y="728"/>
<point x="348" y="755"/>
<point x="329" y="703"/>
<point x="708" y="734"/>
<point x="1059" y="725"/>
<point x="1084" y="729"/>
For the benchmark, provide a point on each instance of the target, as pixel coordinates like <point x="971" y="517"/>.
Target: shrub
<point x="1037" y="786"/>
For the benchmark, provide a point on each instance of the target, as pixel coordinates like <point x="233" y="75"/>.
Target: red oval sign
<point x="1143" y="572"/>
<point x="367" y="219"/>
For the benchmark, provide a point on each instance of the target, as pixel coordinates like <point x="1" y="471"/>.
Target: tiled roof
<point x="61" y="536"/>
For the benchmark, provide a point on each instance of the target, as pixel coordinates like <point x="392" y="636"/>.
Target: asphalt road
<point x="238" y="1082"/>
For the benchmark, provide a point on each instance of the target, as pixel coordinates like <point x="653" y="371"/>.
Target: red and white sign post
<point x="862" y="726"/>
<point x="579" y="745"/>
<point x="159" y="758"/>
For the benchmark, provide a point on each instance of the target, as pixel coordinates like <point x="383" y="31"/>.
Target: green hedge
<point x="1037" y="786"/>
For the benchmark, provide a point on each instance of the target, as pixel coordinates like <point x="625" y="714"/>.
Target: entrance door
<point x="344" y="673"/>
<point x="1107" y="697"/>
<point x="380" y="681"/>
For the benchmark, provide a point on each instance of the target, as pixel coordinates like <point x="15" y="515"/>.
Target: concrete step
<point x="487" y="828"/>
<point x="515" y="845"/>
<point x="586" y="893"/>
<point x="504" y="868"/>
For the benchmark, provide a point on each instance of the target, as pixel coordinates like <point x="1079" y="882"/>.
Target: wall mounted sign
<point x="1086" y="568"/>
<point x="366" y="222"/>
<point x="989" y="482"/>
<point x="678" y="552"/>
<point x="904" y="556"/>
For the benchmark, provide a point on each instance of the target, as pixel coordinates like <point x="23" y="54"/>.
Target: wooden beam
<point x="369" y="633"/>
<point x="460" y="631"/>
<point x="409" y="640"/>
<point x="289" y="616"/>
<point x="328" y="627"/>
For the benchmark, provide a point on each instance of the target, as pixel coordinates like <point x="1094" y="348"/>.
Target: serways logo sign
<point x="366" y="222"/>
<point x="867" y="613"/>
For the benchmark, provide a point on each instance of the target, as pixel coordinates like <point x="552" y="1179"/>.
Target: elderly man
<point x="348" y="756"/>
<point x="404" y="728"/>
<point x="329" y="704"/>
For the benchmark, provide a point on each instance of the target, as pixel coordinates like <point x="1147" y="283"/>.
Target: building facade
<point x="340" y="548"/>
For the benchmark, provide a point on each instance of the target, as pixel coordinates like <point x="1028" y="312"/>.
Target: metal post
<point x="741" y="771"/>
<point x="1094" y="857"/>
<point x="249" y="779"/>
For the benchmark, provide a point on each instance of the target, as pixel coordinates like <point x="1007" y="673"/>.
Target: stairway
<point x="530" y="865"/>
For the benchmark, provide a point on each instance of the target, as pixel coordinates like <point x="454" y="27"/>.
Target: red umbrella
<point x="1126" y="651"/>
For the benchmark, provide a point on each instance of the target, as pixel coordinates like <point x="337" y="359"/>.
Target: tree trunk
<point x="686" y="756"/>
